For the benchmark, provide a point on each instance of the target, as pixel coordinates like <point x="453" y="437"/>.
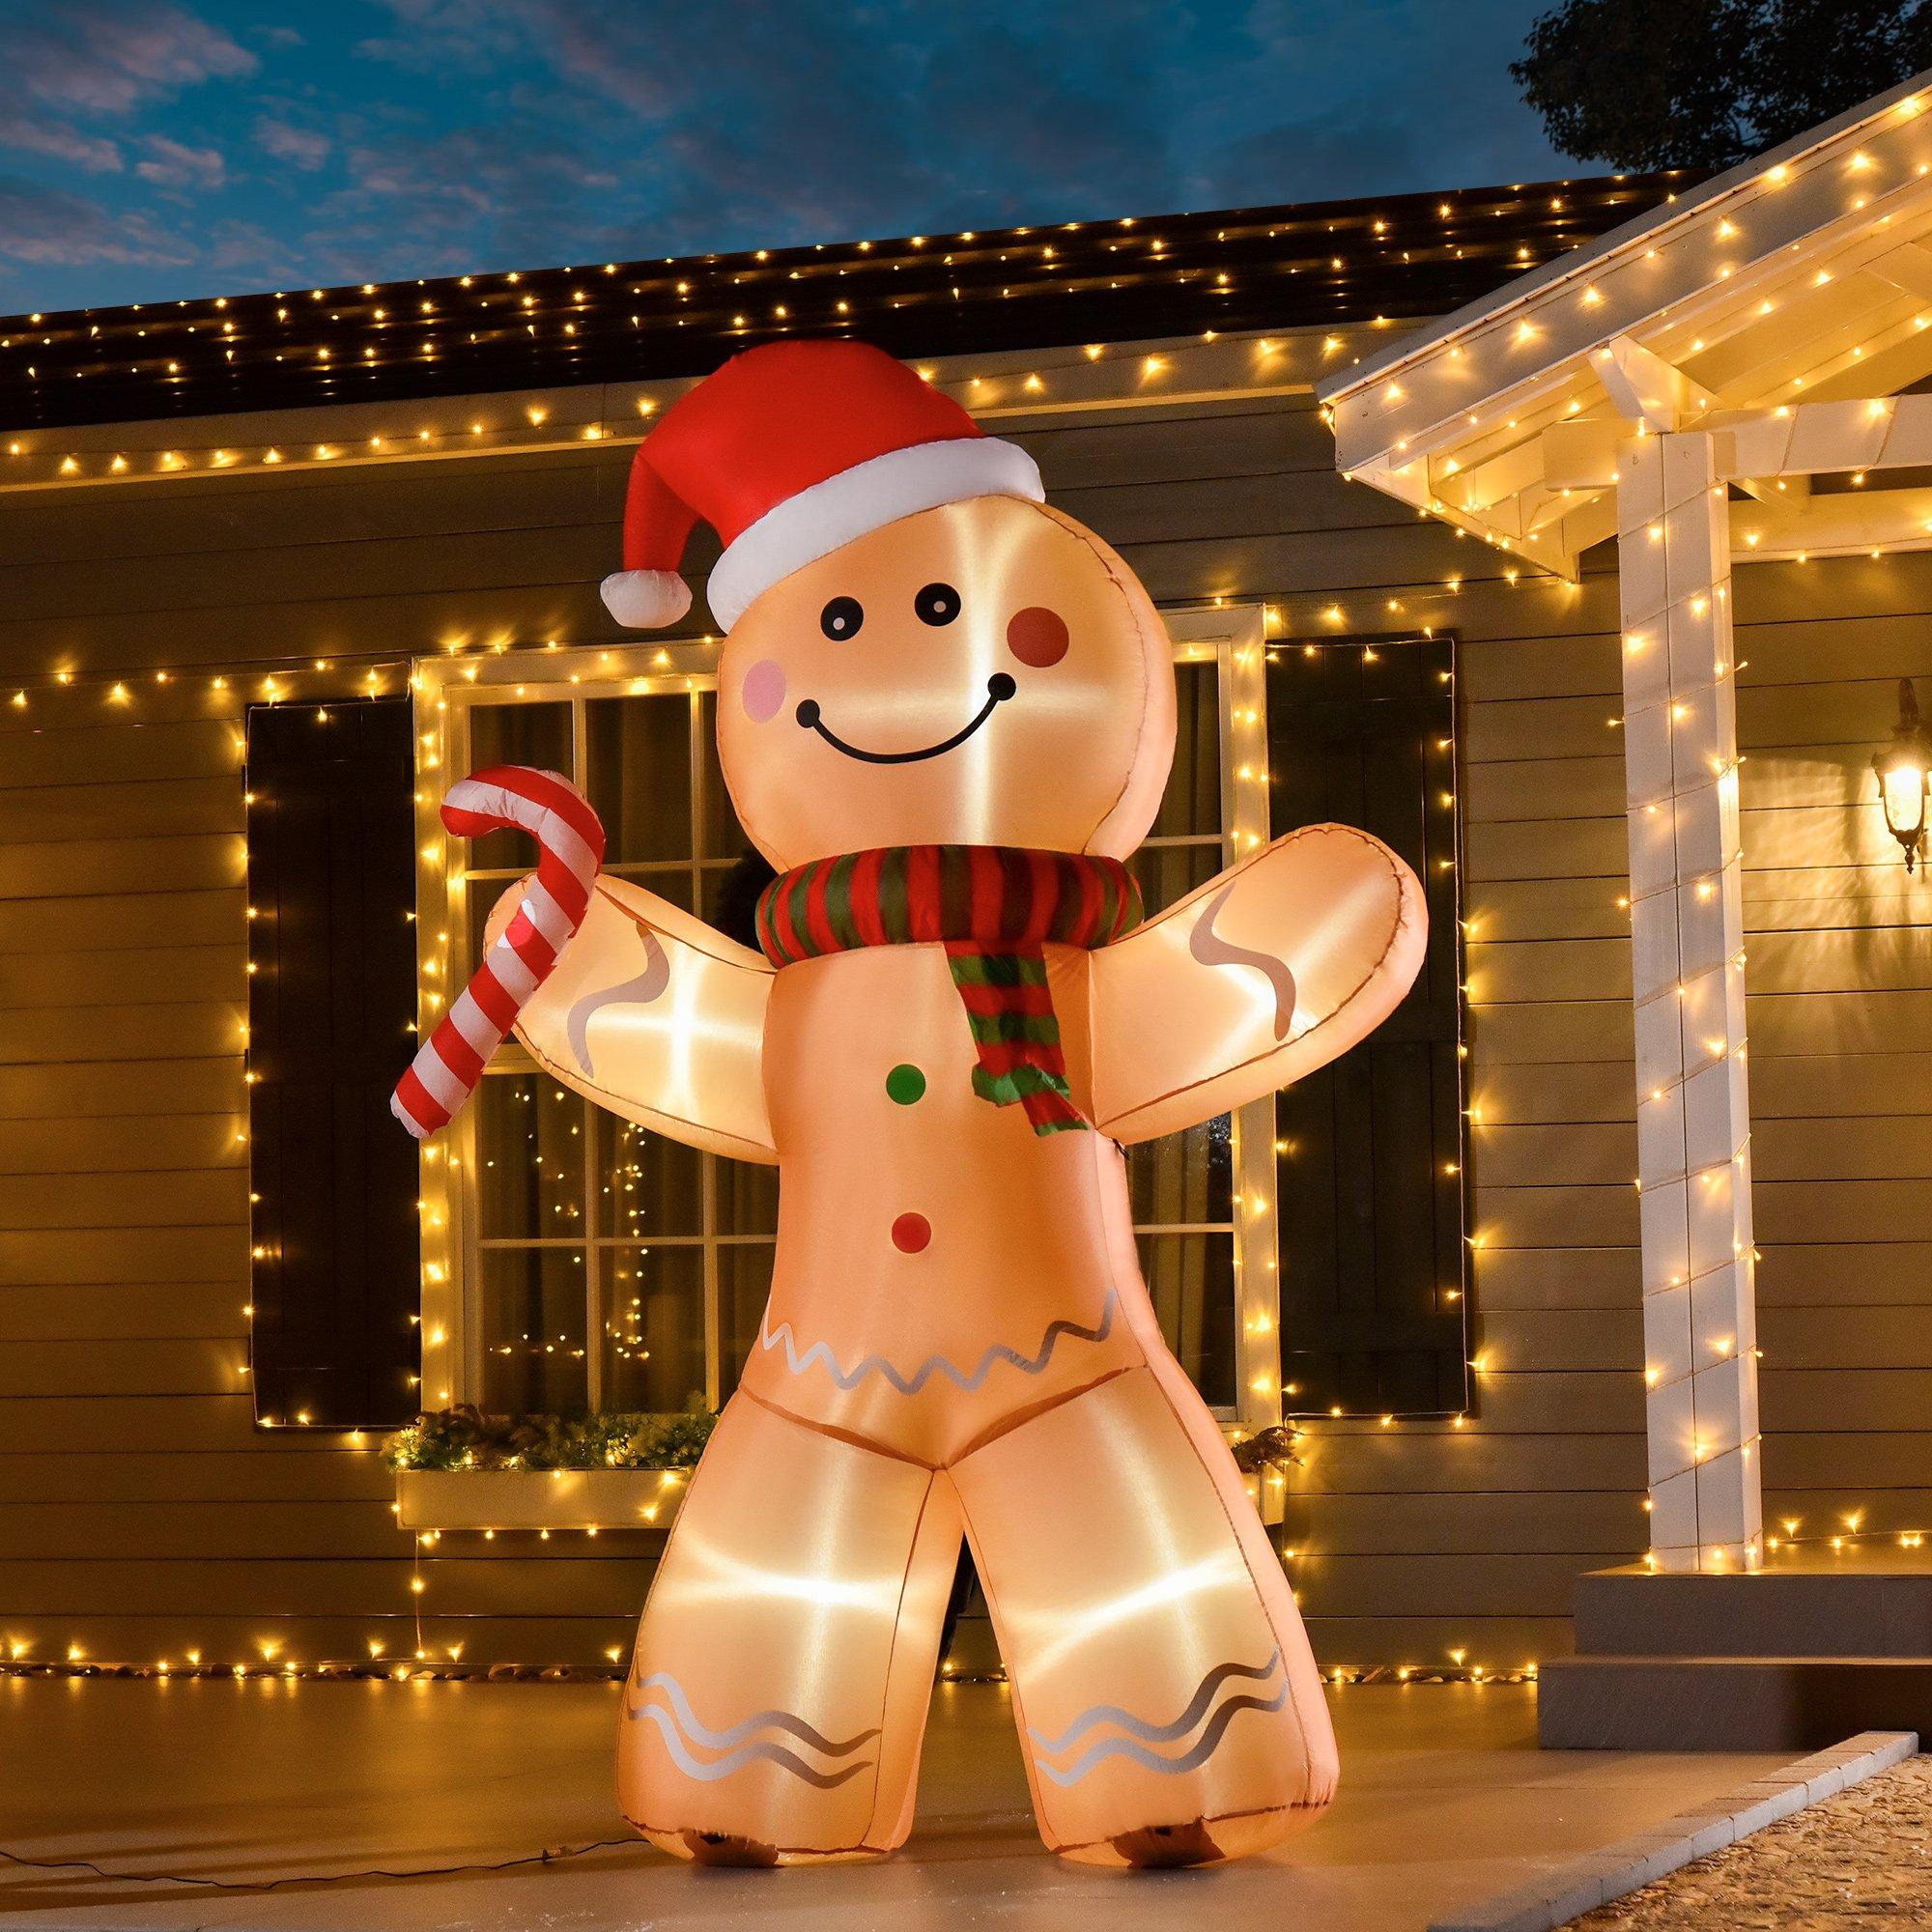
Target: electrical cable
<point x="550" y="1855"/>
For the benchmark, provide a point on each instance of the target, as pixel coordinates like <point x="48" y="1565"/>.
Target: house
<point x="1735" y="378"/>
<point x="280" y="567"/>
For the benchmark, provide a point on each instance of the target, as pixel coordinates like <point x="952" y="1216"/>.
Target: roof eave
<point x="1369" y="435"/>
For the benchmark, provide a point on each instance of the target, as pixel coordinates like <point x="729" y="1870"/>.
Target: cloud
<point x="435" y="36"/>
<point x="809" y="119"/>
<point x="464" y="198"/>
<point x="1349" y="137"/>
<point x="461" y="135"/>
<point x="57" y="141"/>
<point x="304" y="147"/>
<point x="1334" y="156"/>
<point x="172" y="163"/>
<point x="108" y="57"/>
<point x="249" y="252"/>
<point x="47" y="225"/>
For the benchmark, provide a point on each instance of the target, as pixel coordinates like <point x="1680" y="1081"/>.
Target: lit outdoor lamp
<point x="1901" y="769"/>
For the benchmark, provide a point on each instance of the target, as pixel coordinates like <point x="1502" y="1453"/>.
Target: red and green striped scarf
<point x="993" y="908"/>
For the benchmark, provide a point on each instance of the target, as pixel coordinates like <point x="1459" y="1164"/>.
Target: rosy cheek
<point x="764" y="690"/>
<point x="1038" y="635"/>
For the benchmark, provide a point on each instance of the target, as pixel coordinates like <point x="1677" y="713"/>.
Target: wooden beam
<point x="1483" y="484"/>
<point x="1582" y="454"/>
<point x="1687" y="981"/>
<point x="1594" y="519"/>
<point x="1846" y="523"/>
<point x="1645" y="388"/>
<point x="1804" y="340"/>
<point x="1784" y="490"/>
<point x="1909" y="268"/>
<point x="1805" y="438"/>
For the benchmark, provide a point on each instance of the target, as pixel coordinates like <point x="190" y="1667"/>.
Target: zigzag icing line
<point x="820" y="1352"/>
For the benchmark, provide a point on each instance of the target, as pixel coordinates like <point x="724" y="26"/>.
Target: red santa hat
<point x="791" y="451"/>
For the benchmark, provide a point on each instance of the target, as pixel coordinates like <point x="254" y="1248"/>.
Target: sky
<point x="153" y="149"/>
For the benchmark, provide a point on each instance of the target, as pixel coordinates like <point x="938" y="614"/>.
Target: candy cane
<point x="554" y="812"/>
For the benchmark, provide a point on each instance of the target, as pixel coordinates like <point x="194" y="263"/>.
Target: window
<point x="602" y="1267"/>
<point x="331" y="990"/>
<point x="574" y="1260"/>
<point x="1370" y="1167"/>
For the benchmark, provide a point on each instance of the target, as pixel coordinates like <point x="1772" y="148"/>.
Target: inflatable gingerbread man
<point x="946" y="713"/>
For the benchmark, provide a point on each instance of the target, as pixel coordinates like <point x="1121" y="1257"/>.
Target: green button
<point x="906" y="1084"/>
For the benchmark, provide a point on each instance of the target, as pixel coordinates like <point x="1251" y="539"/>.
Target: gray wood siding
<point x="142" y="1514"/>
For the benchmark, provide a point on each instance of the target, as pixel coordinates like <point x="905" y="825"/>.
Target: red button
<point x="911" y="1232"/>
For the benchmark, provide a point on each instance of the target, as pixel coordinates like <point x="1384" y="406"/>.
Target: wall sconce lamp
<point x="1902" y="769"/>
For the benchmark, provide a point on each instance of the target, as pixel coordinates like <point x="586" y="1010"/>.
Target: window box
<point x="539" y="1498"/>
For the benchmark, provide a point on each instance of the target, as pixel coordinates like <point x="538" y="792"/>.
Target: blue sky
<point x="150" y="149"/>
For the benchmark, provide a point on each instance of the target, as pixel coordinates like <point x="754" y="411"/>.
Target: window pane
<point x="743" y="1286"/>
<point x="1192" y="1280"/>
<point x="747" y="1198"/>
<point x="653" y="1338"/>
<point x="533" y="1360"/>
<point x="722" y="836"/>
<point x="481" y="897"/>
<point x="529" y="1149"/>
<point x="1186" y="1177"/>
<point x="1192" y="802"/>
<point x="649" y="1184"/>
<point x="732" y="891"/>
<point x="1170" y="873"/>
<point x="640" y="777"/>
<point x="514" y="734"/>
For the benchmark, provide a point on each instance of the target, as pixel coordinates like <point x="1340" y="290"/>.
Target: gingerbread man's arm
<point x="1275" y="968"/>
<point x="657" y="1016"/>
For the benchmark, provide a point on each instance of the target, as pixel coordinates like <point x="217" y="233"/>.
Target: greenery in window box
<point x="1272" y="1448"/>
<point x="466" y="1438"/>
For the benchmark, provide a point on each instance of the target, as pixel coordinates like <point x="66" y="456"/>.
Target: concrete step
<point x="1728" y="1703"/>
<point x="1877" y="1610"/>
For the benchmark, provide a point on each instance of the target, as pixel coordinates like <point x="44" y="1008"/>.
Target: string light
<point x="354" y="674"/>
<point x="1427" y="373"/>
<point x="992" y="289"/>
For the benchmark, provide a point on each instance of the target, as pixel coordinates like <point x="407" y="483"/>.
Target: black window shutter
<point x="331" y="990"/>
<point x="1369" y="1157"/>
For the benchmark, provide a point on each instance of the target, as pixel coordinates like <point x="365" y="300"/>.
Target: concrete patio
<point x="314" y="1787"/>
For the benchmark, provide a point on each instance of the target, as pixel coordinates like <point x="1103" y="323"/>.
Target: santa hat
<point x="791" y="451"/>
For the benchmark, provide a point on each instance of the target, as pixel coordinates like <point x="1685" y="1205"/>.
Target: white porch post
<point x="1686" y="950"/>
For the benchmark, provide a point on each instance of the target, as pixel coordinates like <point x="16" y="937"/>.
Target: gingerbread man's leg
<point x="778" y="1695"/>
<point x="1168" y="1704"/>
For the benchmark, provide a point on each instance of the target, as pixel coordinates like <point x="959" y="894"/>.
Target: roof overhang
<point x="1802" y="276"/>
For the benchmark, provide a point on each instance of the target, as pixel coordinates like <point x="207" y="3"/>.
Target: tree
<point x="1706" y="83"/>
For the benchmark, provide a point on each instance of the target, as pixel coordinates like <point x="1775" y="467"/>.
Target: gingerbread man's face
<point x="985" y="674"/>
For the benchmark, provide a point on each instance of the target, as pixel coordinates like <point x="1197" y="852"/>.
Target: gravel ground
<point x="1859" y="1860"/>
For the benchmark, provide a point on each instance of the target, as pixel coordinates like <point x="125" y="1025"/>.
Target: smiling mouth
<point x="998" y="687"/>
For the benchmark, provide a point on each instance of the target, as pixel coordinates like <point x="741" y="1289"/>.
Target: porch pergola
<point x="1678" y="385"/>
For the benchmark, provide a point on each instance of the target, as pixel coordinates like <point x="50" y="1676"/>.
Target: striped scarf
<point x="993" y="908"/>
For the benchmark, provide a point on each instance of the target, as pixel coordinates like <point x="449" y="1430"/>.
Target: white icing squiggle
<point x="1211" y="950"/>
<point x="969" y="1379"/>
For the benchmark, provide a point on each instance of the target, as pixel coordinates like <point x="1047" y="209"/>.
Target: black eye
<point x="841" y="617"/>
<point x="937" y="604"/>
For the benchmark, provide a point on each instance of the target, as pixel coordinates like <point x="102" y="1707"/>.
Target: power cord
<point x="550" y="1855"/>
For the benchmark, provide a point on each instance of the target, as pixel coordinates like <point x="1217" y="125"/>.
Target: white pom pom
<point x="646" y="599"/>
